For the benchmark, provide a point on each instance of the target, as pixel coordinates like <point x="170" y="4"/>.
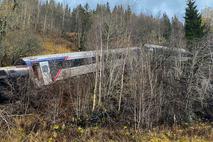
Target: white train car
<point x="180" y="54"/>
<point x="47" y="69"/>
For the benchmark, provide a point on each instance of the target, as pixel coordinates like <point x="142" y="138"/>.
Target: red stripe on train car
<point x="57" y="75"/>
<point x="66" y="57"/>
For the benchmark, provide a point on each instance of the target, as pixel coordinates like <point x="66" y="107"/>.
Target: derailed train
<point x="47" y="69"/>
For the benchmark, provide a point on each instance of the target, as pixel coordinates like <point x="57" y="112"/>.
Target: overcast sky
<point x="155" y="7"/>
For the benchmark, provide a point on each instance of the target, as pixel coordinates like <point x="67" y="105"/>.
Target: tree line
<point x="136" y="92"/>
<point x="22" y="21"/>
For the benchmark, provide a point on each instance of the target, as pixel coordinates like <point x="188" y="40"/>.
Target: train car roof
<point x="153" y="46"/>
<point x="63" y="56"/>
<point x="67" y="56"/>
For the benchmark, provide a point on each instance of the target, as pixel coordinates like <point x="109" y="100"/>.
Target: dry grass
<point x="34" y="129"/>
<point x="56" y="45"/>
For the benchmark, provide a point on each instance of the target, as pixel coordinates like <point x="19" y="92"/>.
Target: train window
<point x="55" y="66"/>
<point x="78" y="62"/>
<point x="35" y="70"/>
<point x="45" y="68"/>
<point x="93" y="59"/>
<point x="90" y="60"/>
<point x="87" y="61"/>
<point x="68" y="64"/>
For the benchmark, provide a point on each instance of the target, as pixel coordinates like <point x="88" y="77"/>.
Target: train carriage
<point x="47" y="69"/>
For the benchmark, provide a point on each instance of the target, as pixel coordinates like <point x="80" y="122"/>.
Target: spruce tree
<point x="194" y="29"/>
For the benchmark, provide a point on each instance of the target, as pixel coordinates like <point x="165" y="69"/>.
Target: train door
<point x="45" y="72"/>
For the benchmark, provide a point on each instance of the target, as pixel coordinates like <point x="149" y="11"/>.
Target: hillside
<point x="136" y="94"/>
<point x="56" y="44"/>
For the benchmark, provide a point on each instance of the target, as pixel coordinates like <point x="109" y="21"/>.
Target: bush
<point x="19" y="44"/>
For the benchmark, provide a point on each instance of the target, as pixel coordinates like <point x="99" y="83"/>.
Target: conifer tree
<point x="194" y="29"/>
<point x="128" y="13"/>
<point x="108" y="7"/>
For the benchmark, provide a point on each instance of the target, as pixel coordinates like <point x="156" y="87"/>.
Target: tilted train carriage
<point x="47" y="69"/>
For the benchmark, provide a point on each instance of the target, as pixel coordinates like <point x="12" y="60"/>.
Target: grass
<point x="35" y="129"/>
<point x="56" y="45"/>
